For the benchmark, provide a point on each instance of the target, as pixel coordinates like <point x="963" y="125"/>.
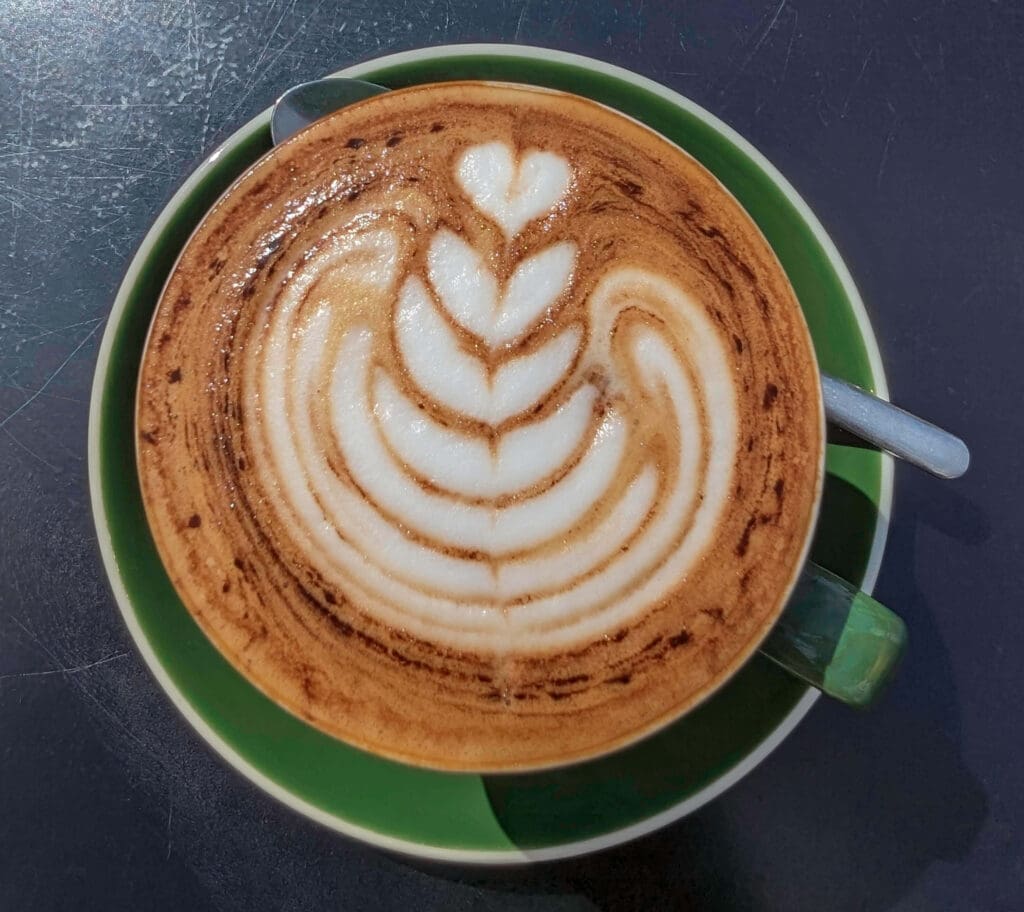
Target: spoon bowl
<point x="307" y="102"/>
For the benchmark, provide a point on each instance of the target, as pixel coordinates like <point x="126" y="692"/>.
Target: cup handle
<point x="837" y="638"/>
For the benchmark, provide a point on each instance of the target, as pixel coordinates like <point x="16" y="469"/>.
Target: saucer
<point x="489" y="819"/>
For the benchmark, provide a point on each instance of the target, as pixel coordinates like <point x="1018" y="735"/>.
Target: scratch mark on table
<point x="26" y="139"/>
<point x="262" y="55"/>
<point x="789" y="47"/>
<point x="131" y="105"/>
<point x="519" y="23"/>
<point x="78" y="682"/>
<point x="28" y="292"/>
<point x="757" y="46"/>
<point x="256" y="71"/>
<point x="77" y="400"/>
<point x="170" y="815"/>
<point x="30" y="452"/>
<point x="193" y="32"/>
<point x="913" y="44"/>
<point x="19" y="320"/>
<point x="885" y="156"/>
<point x="60" y="329"/>
<point x="75" y="669"/>
<point x="16" y="205"/>
<point x="35" y="639"/>
<point x="24" y="405"/>
<point x="856" y="82"/>
<point x="42" y="200"/>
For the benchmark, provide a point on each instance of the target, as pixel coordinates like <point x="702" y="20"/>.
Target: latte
<point x="478" y="425"/>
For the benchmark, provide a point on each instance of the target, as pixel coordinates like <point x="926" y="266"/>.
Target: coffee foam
<point x="488" y="410"/>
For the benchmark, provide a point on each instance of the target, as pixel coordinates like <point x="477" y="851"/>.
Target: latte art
<point x="495" y="486"/>
<point x="483" y="428"/>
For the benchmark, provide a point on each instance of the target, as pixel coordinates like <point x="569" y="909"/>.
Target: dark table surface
<point x="902" y="124"/>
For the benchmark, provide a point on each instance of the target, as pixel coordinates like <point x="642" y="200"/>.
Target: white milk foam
<point x="513" y="524"/>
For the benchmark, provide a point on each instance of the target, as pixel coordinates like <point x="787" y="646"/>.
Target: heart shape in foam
<point x="512" y="193"/>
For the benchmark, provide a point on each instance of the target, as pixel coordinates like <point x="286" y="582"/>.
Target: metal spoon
<point x="309" y="101"/>
<point x="872" y="419"/>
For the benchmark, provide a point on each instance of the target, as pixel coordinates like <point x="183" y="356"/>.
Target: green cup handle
<point x="837" y="638"/>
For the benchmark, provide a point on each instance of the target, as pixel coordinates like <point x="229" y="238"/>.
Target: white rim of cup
<point x="391" y="843"/>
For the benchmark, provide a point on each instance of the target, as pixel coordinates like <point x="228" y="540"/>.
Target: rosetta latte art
<point x="479" y="426"/>
<point x="487" y="472"/>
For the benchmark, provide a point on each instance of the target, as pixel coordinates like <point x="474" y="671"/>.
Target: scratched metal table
<point x="901" y="124"/>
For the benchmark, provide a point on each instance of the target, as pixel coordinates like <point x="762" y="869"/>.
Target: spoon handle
<point x="894" y="430"/>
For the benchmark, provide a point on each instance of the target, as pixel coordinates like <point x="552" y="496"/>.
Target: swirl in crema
<point x="481" y="474"/>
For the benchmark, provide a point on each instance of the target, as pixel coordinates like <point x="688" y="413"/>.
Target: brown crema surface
<point x="309" y="625"/>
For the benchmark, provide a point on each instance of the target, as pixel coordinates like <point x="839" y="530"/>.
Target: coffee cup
<point x="480" y="427"/>
<point x="199" y="692"/>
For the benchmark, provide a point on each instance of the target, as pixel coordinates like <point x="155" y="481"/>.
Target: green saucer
<point x="458" y="817"/>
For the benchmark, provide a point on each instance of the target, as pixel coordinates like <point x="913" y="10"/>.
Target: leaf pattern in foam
<point x="463" y="463"/>
<point x="469" y="292"/>
<point x="458" y="380"/>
